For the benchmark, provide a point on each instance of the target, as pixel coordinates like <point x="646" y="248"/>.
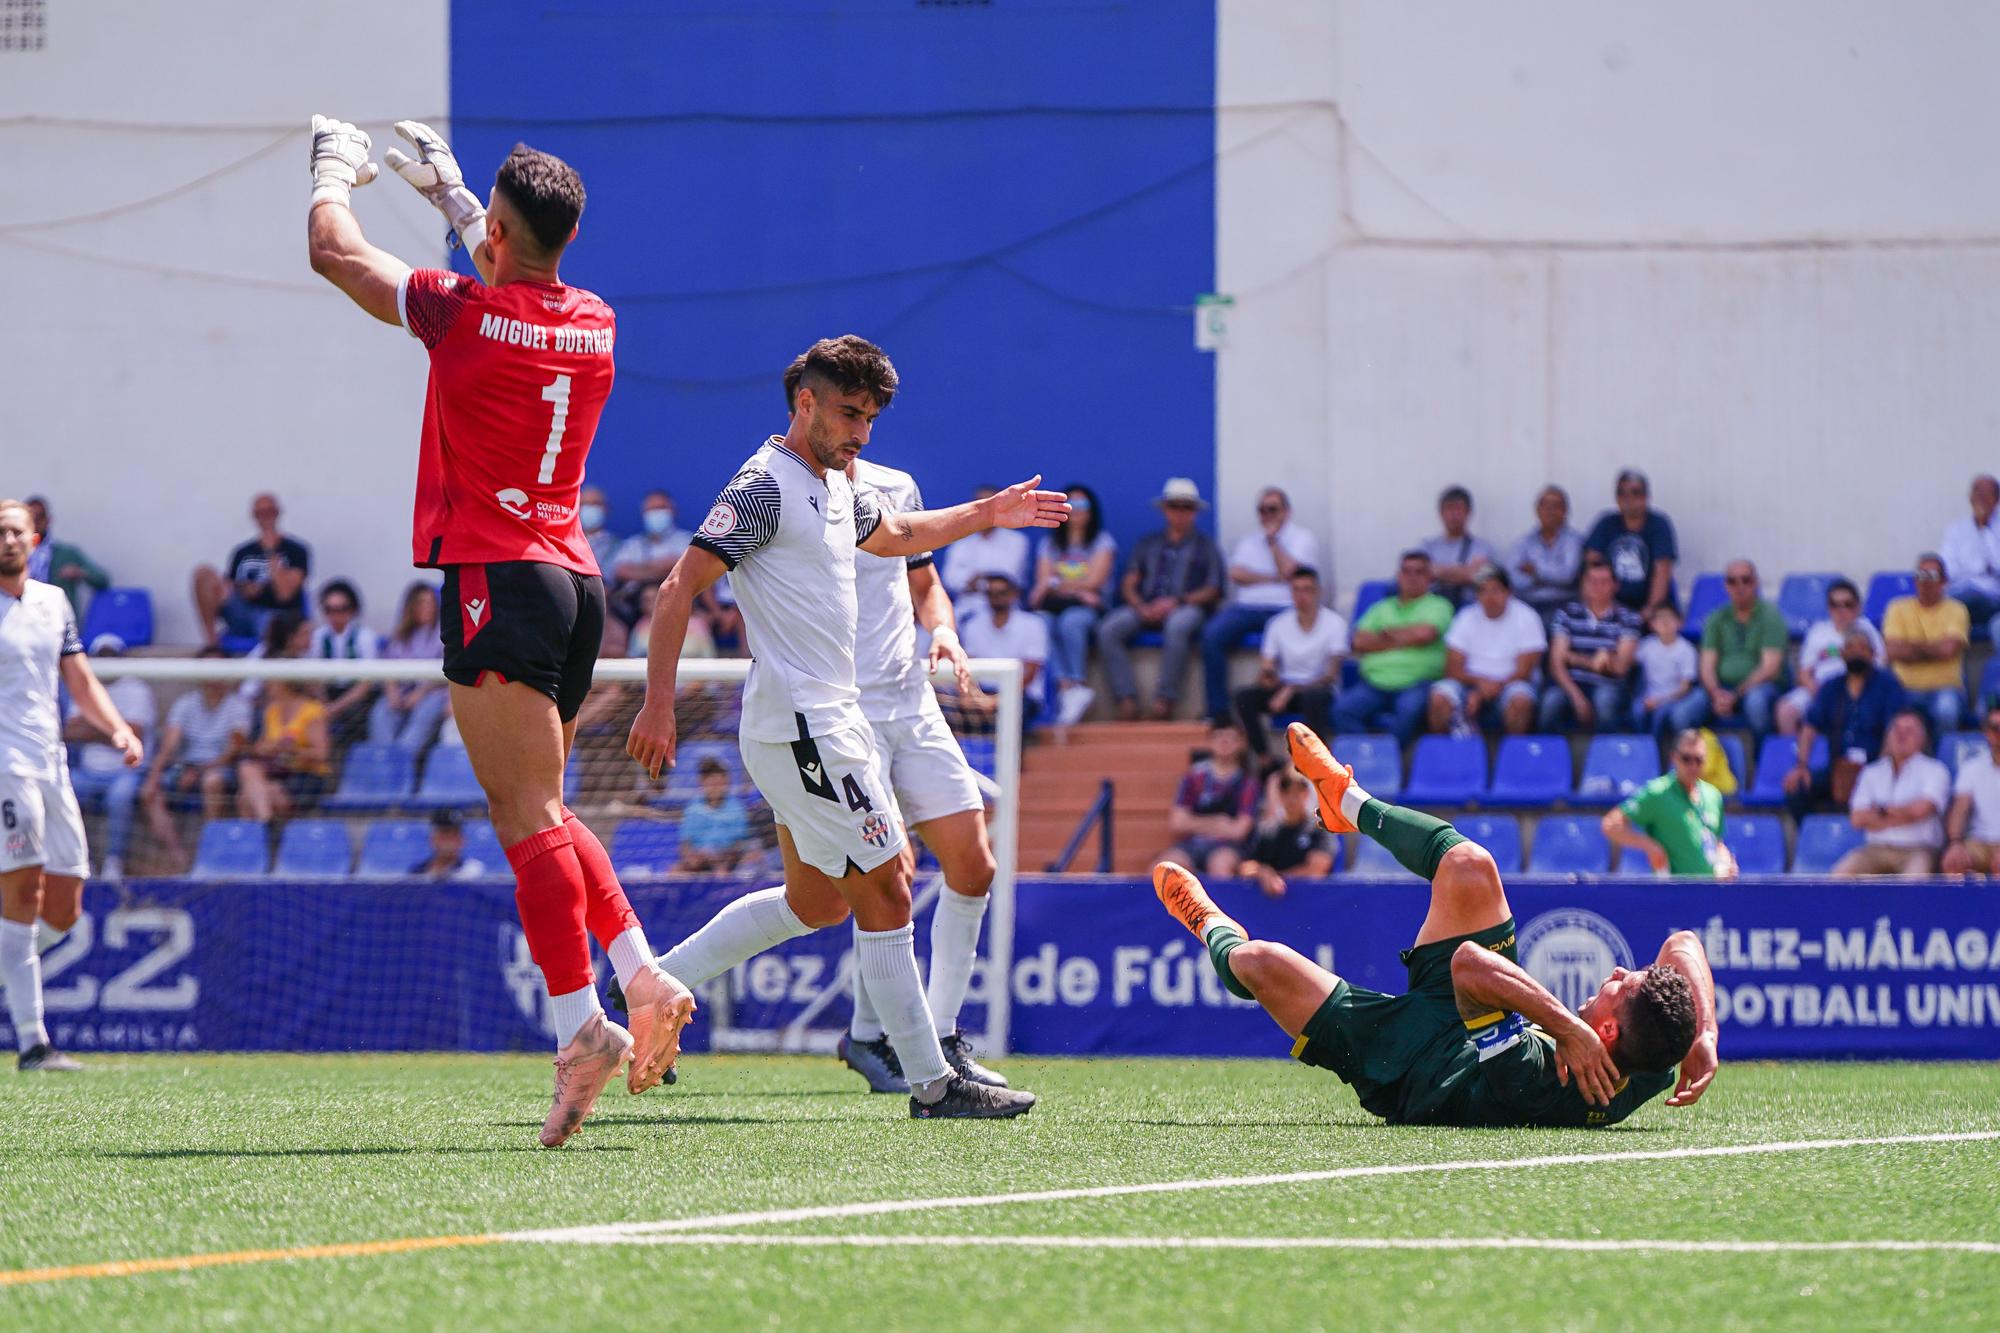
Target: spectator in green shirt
<point x="1676" y="819"/>
<point x="62" y="563"/>
<point x="1743" y="645"/>
<point x="1399" y="648"/>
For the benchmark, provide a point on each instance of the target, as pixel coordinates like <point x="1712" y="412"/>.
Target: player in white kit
<point x="786" y="527"/>
<point x="43" y="857"/>
<point x="940" y="795"/>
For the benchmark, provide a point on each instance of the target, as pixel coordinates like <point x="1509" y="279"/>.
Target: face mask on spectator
<point x="592" y="516"/>
<point x="658" y="521"/>
<point x="1860" y="666"/>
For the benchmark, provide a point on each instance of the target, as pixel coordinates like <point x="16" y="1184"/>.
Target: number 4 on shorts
<point x="857" y="799"/>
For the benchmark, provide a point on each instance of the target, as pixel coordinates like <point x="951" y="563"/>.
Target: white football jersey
<point x="37" y="630"/>
<point x="788" y="536"/>
<point x="886" y="664"/>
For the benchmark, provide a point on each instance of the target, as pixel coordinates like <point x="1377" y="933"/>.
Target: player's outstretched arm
<point x="1683" y="953"/>
<point x="652" y="739"/>
<point x="1486" y="983"/>
<point x="1019" y="506"/>
<point x="334" y="243"/>
<point x="94" y="702"/>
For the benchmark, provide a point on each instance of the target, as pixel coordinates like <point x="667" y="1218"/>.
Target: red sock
<point x="605" y="908"/>
<point x="549" y="892"/>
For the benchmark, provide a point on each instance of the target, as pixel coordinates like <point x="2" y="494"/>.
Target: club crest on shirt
<point x="721" y="520"/>
<point x="875" y="830"/>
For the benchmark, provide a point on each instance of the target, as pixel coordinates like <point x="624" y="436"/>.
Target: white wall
<point x="165" y="361"/>
<point x="1751" y="249"/>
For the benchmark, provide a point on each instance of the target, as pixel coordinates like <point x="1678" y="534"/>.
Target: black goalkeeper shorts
<point x="525" y="621"/>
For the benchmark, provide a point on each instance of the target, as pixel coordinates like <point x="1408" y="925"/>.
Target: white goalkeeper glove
<point x="339" y="160"/>
<point x="435" y="175"/>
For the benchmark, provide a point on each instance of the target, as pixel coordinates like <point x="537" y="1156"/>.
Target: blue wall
<point x="1016" y="200"/>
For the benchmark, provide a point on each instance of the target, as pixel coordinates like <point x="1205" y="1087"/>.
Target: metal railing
<point x="1099" y="816"/>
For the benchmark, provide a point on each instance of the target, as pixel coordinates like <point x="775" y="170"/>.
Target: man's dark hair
<point x="1414" y="553"/>
<point x="710" y="764"/>
<point x="338" y="588"/>
<point x="1843" y="584"/>
<point x="847" y="364"/>
<point x="1304" y="572"/>
<point x="1933" y="558"/>
<point x="1657" y="1028"/>
<point x="1686" y="734"/>
<point x="545" y="191"/>
<point x="793" y="373"/>
<point x="1632" y="476"/>
<point x="450" y="820"/>
<point x="1451" y="493"/>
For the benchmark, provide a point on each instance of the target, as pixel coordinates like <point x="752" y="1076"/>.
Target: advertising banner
<point x="1803" y="968"/>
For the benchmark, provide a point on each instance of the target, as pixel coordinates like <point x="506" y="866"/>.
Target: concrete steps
<point x="1060" y="778"/>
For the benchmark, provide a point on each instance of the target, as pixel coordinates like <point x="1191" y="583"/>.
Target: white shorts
<point x="40" y="825"/>
<point x="928" y="771"/>
<point x="828" y="791"/>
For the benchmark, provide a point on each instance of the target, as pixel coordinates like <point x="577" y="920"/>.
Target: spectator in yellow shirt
<point x="1927" y="635"/>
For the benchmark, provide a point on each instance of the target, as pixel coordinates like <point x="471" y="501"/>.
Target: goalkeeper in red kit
<point x="521" y="366"/>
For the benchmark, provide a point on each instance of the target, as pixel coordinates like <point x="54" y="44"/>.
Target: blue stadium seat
<point x="1530" y="770"/>
<point x="1708" y="592"/>
<point x="373" y="777"/>
<point x="1802" y="600"/>
<point x="1373" y="861"/>
<point x="982" y="752"/>
<point x="314" y="849"/>
<point x="1885" y="588"/>
<point x="1377" y="761"/>
<point x="1614" y="766"/>
<point x="482" y="846"/>
<point x="1500" y="835"/>
<point x="1757" y="842"/>
<point x="573" y="774"/>
<point x="1823" y="840"/>
<point x="1632" y="864"/>
<point x="231" y="849"/>
<point x="448" y="782"/>
<point x="1369" y="593"/>
<point x="392" y="848"/>
<point x="645" y="848"/>
<point x="126" y="612"/>
<point x="1779" y="756"/>
<point x="1959" y="746"/>
<point x="1446" y="770"/>
<point x="1569" y="845"/>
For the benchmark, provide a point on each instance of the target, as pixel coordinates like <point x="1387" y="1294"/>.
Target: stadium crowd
<point x="1560" y="632"/>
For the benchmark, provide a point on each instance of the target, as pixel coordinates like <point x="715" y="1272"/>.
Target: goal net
<point x="307" y="772"/>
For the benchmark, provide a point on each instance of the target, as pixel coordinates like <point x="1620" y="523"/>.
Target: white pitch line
<point x="1581" y="1245"/>
<point x="620" y="1231"/>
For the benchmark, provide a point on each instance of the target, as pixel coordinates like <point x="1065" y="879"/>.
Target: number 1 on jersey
<point x="558" y="394"/>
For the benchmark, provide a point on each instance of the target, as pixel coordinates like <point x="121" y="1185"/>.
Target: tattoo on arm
<point x="902" y="528"/>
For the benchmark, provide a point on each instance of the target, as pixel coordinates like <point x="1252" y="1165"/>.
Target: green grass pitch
<point x="151" y="1157"/>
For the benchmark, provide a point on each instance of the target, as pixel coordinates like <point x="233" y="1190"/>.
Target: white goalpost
<point x="602" y="785"/>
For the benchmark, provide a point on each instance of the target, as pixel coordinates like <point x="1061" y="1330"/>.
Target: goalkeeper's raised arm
<point x="334" y="243"/>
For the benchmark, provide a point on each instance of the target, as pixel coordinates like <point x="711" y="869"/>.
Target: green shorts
<point x="1401" y="1053"/>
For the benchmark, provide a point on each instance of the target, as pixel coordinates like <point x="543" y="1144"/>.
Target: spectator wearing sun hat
<point x="1171" y="583"/>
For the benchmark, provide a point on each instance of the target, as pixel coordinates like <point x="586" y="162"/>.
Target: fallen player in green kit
<point x="1476" y="1040"/>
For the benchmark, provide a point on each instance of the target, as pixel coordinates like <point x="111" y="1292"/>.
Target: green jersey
<point x="1688" y="826"/>
<point x="1400" y="668"/>
<point x="1413" y="1060"/>
<point x="1739" y="645"/>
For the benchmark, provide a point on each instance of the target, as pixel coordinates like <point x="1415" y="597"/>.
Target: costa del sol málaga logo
<point x="1572" y="951"/>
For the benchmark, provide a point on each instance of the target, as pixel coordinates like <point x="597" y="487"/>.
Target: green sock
<point x="1419" y="841"/>
<point x="1223" y="941"/>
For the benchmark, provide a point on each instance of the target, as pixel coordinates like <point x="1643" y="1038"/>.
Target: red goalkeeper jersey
<point x="519" y="374"/>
